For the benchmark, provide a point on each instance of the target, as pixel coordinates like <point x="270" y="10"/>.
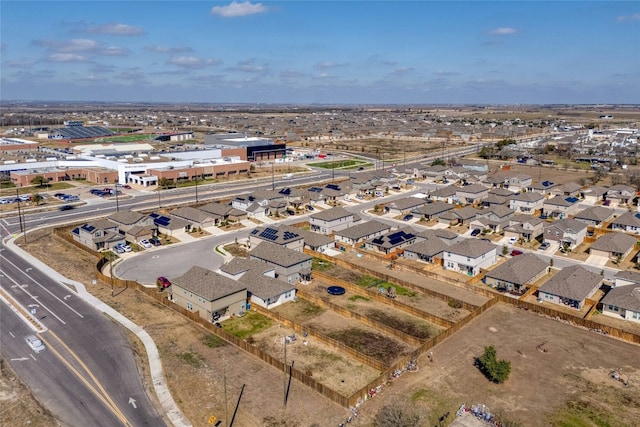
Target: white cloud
<point x="68" y="46"/>
<point x="116" y="30"/>
<point x="401" y="70"/>
<point x="503" y="31"/>
<point x="114" y="51"/>
<point x="192" y="62"/>
<point x="67" y="57"/>
<point x="633" y="17"/>
<point x="236" y="9"/>
<point x="168" y="49"/>
<point x="326" y="65"/>
<point x="249" y="66"/>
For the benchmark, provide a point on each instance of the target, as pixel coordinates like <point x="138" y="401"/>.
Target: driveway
<point x="600" y="261"/>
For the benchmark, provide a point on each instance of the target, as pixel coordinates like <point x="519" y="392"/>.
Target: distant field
<point x="340" y="164"/>
<point x="124" y="138"/>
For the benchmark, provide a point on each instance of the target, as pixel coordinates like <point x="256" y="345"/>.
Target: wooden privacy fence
<point x="363" y="394"/>
<point x="410" y="339"/>
<point x="328" y="341"/>
<point x="391" y="279"/>
<point x="436" y="320"/>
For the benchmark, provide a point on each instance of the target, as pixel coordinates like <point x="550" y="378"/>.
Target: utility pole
<point x="19" y="211"/>
<point x="273" y="182"/>
<point x="115" y="188"/>
<point x="196" y="178"/>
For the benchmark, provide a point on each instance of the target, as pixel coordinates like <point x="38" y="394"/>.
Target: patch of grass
<point x="370" y="343"/>
<point x="339" y="164"/>
<point x="318" y="264"/>
<point x="213" y="341"/>
<point x="249" y="324"/>
<point x="418" y="329"/>
<point x="404" y="291"/>
<point x="369" y="282"/>
<point x="419" y="394"/>
<point x="191" y="358"/>
<point x="358" y="297"/>
<point x="311" y="308"/>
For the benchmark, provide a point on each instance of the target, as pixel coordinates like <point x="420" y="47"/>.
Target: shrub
<point x="495" y="370"/>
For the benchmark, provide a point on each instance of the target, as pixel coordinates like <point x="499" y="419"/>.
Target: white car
<point x="126" y="248"/>
<point x="145" y="244"/>
<point x="35" y="343"/>
<point x="513" y="240"/>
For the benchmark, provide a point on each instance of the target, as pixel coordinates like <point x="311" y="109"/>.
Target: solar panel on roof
<point x="88" y="228"/>
<point x="571" y="199"/>
<point x="255" y="231"/>
<point x="333" y="186"/>
<point x="315" y="190"/>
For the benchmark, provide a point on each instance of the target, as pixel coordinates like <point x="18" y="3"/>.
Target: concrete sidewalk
<point x="155" y="366"/>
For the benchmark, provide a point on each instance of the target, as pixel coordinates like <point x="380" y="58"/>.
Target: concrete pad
<point x="600" y="261"/>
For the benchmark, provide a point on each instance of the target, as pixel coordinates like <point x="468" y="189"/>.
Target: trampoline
<point x="335" y="290"/>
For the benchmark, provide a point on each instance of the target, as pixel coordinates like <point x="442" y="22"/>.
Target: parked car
<point x="475" y="232"/>
<point x="155" y="241"/>
<point x="544" y="246"/>
<point x="163" y="282"/>
<point x="309" y="207"/>
<point x="145" y="243"/>
<point x="407" y="217"/>
<point x="127" y="248"/>
<point x="516" y="252"/>
<point x="127" y="186"/>
<point x="513" y="240"/>
<point x="35" y="343"/>
<point x="291" y="212"/>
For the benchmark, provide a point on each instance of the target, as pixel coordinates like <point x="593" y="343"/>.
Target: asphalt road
<point x="88" y="375"/>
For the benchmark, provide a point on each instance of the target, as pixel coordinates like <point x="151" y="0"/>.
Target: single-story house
<point x="316" y="242"/>
<point x="494" y="218"/>
<point x="283" y="235"/>
<point x="197" y="218"/>
<point x="433" y="210"/>
<point x="570" y="189"/>
<point x="620" y="194"/>
<point x="624" y="302"/>
<point x="626" y="278"/>
<point x="595" y="215"/>
<point x="425" y="249"/>
<point x="516" y="273"/>
<point x="167" y="224"/>
<point x="594" y="194"/>
<point x="471" y="194"/>
<point x="125" y="219"/>
<point x="390" y="242"/>
<point x="543" y="187"/>
<point x="571" y="286"/>
<point x="214" y="296"/>
<point x="360" y="232"/>
<point x="404" y="205"/>
<point x="628" y="222"/>
<point x="614" y="245"/>
<point x="444" y="194"/>
<point x="561" y="206"/>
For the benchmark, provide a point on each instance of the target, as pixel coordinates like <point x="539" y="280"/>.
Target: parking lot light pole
<point x="115" y="185"/>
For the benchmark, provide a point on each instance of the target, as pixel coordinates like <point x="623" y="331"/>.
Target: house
<point x="629" y="222"/>
<point x="196" y="218"/>
<point x="497" y="196"/>
<point x="256" y="204"/>
<point x="595" y="215"/>
<point x="594" y="194"/>
<point x="316" y="242"/>
<point x="517" y="181"/>
<point x="98" y="235"/>
<point x="465" y="215"/>
<point x="624" y="302"/>
<point x="167" y="224"/>
<point x="570" y="189"/>
<point x="613" y="246"/>
<point x="283" y="235"/>
<point x="527" y="227"/>
<point x="620" y="194"/>
<point x="223" y="212"/>
<point x="392" y="241"/>
<point x="516" y="273"/>
<point x="471" y="194"/>
<point x="526" y="203"/>
<point x="543" y="187"/>
<point x="494" y="219"/>
<point x="571" y="286"/>
<point x="290" y="266"/>
<point x="444" y="194"/>
<point x="435" y="172"/>
<point x="331" y="220"/>
<point x="427" y="248"/>
<point x="125" y="219"/>
<point x="560" y="206"/>
<point x="469" y="256"/>
<point x="360" y="232"/>
<point x="212" y="295"/>
<point x="569" y="233"/>
<point x="263" y="288"/>
<point x="433" y="210"/>
<point x="474" y="165"/>
<point x="404" y="206"/>
<point x="626" y="278"/>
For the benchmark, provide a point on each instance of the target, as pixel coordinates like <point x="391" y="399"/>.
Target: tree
<point x="397" y="414"/>
<point x="505" y="250"/>
<point x="164" y="183"/>
<point x="438" y="162"/>
<point x="495" y="370"/>
<point x="39" y="180"/>
<point x="37" y="197"/>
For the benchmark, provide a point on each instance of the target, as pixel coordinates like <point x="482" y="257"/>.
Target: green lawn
<point x="249" y="324"/>
<point x="340" y="164"/>
<point x="125" y="138"/>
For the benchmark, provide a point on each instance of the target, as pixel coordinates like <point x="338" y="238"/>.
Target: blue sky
<point x="345" y="52"/>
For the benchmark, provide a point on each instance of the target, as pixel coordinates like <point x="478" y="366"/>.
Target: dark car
<point x="516" y="252"/>
<point x="163" y="282"/>
<point x="475" y="232"/>
<point x="155" y="241"/>
<point x="127" y="187"/>
<point x="408" y="217"/>
<point x="544" y="246"/>
<point x="66" y="207"/>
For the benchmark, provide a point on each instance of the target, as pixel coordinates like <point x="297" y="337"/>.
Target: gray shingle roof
<point x="365" y="229"/>
<point x="406" y="203"/>
<point x="278" y="255"/>
<point x="595" y="213"/>
<point x="433" y="208"/>
<point x="519" y="269"/>
<point x="314" y="240"/>
<point x="628" y="219"/>
<point x="216" y="209"/>
<point x="191" y="214"/>
<point x="208" y="284"/>
<point x="241" y="265"/>
<point x="471" y="248"/>
<point x="473" y="189"/>
<point x="627" y="297"/>
<point x="331" y="214"/>
<point x="264" y="287"/>
<point x="631" y="276"/>
<point x="126" y="217"/>
<point x="574" y="282"/>
<point x="618" y="243"/>
<point x="281" y="235"/>
<point x="529" y="196"/>
<point x="427" y="247"/>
